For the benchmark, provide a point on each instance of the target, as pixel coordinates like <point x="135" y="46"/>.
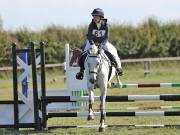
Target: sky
<point x="38" y="14"/>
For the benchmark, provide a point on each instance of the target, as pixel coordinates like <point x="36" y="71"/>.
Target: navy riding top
<point x="98" y="36"/>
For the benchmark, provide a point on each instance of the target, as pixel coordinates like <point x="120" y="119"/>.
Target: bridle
<point x="100" y="64"/>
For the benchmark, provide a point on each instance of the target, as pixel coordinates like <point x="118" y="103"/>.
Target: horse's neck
<point x="104" y="65"/>
<point x="105" y="59"/>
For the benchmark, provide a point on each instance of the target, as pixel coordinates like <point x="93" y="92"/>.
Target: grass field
<point x="160" y="73"/>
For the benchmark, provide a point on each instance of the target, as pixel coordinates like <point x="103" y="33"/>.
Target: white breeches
<point x="108" y="47"/>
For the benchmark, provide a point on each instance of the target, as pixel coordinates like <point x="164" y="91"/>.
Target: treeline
<point x="149" y="39"/>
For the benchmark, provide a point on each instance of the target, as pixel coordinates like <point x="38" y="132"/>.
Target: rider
<point x="98" y="34"/>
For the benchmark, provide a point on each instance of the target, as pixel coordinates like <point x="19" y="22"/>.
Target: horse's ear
<point x="89" y="51"/>
<point x="99" y="50"/>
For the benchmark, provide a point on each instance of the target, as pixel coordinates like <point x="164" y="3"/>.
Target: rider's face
<point x="96" y="19"/>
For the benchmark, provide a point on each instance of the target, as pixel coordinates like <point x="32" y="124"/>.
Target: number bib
<point x="98" y="33"/>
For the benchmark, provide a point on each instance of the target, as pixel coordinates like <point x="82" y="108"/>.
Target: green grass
<point x="159" y="73"/>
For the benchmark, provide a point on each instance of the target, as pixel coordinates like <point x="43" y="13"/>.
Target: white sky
<point x="37" y="14"/>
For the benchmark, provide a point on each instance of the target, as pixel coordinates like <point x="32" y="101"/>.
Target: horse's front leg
<point x="91" y="101"/>
<point x="102" y="108"/>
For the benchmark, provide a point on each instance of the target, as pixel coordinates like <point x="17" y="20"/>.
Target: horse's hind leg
<point x="91" y="101"/>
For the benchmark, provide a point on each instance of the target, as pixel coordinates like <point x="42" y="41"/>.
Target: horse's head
<point x="93" y="63"/>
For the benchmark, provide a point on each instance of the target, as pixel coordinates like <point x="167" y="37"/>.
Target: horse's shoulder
<point x="104" y="55"/>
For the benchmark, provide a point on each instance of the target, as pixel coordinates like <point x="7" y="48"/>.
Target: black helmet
<point x="98" y="12"/>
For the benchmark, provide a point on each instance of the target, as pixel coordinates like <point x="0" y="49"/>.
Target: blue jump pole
<point x="24" y="57"/>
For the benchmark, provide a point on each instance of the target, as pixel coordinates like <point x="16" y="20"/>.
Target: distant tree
<point x="1" y="23"/>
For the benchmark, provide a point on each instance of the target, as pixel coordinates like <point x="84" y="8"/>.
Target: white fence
<point x="146" y="61"/>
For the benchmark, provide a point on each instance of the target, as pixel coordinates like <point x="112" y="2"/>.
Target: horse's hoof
<point x="101" y="129"/>
<point x="90" y="117"/>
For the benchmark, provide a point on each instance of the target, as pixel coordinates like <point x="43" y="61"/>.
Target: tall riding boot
<point x="119" y="70"/>
<point x="80" y="74"/>
<point x="115" y="62"/>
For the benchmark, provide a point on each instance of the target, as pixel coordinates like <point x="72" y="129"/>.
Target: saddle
<point x="112" y="62"/>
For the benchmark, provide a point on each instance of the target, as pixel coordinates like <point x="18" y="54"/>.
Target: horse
<point x="76" y="53"/>
<point x="75" y="56"/>
<point x="97" y="68"/>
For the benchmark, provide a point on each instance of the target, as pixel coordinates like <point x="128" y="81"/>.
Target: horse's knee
<point x="103" y="116"/>
<point x="91" y="101"/>
<point x="91" y="97"/>
<point x="102" y="107"/>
